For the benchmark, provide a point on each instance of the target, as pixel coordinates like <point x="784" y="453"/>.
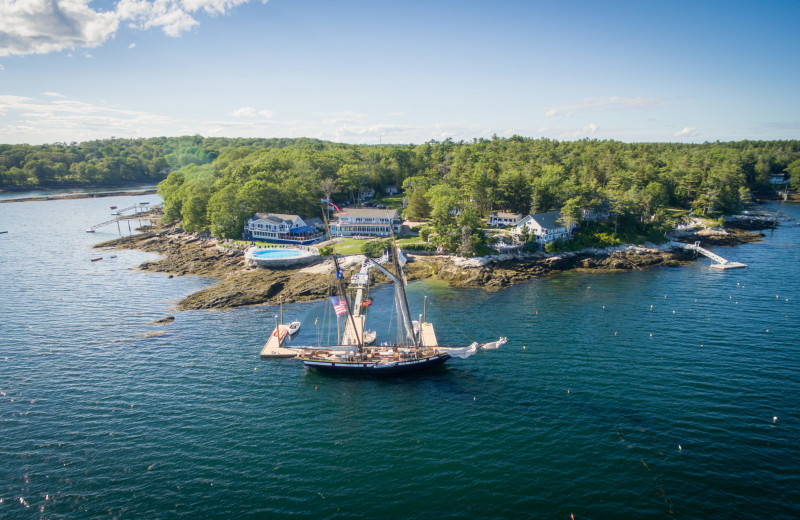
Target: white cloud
<point x="44" y="26"/>
<point x="131" y="46"/>
<point x="53" y="94"/>
<point x="267" y="113"/>
<point x="59" y="119"/>
<point x="688" y="131"/>
<point x="604" y="103"/>
<point x="244" y="112"/>
<point x="2" y="68"/>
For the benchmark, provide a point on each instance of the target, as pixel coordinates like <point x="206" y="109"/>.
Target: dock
<point x="427" y="336"/>
<point x="144" y="214"/>
<point x="721" y="263"/>
<point x="274" y="348"/>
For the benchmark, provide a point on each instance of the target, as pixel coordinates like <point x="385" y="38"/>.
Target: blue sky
<point x="399" y="72"/>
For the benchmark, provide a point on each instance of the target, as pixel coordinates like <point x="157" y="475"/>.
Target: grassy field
<point x="348" y="246"/>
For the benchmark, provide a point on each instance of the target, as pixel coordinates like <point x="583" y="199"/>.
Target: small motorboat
<point x="294" y="328"/>
<point x="90" y="230"/>
<point x="113" y="207"/>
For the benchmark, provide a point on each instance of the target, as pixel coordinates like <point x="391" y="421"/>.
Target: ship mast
<point x="406" y="310"/>
<point x="340" y="288"/>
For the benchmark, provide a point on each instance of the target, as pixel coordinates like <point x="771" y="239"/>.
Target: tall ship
<point x="415" y="349"/>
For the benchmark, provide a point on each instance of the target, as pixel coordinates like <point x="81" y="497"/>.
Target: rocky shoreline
<point x="239" y="284"/>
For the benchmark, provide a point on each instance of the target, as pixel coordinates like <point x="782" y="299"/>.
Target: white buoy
<point x="774" y="419"/>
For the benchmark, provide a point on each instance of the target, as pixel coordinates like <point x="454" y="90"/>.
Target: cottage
<point x="778" y="179"/>
<point x="503" y="219"/>
<point x="281" y="228"/>
<point x="366" y="221"/>
<point x="546" y="227"/>
<point x="392" y="190"/>
<point x="366" y="194"/>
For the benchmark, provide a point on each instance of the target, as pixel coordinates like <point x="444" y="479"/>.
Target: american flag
<point x="339" y="305"/>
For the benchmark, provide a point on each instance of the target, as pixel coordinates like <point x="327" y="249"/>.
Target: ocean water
<point x="662" y="393"/>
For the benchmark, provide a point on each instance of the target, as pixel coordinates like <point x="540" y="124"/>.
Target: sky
<point x="386" y="71"/>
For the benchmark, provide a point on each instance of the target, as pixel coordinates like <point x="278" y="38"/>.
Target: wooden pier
<point x="427" y="336"/>
<point x="274" y="348"/>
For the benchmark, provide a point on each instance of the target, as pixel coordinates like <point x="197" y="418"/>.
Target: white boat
<point x="294" y="328"/>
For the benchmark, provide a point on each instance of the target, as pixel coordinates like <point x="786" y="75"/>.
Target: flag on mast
<point x="334" y="205"/>
<point x="339" y="305"/>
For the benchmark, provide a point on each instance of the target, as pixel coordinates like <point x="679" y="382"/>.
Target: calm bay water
<point x="646" y="394"/>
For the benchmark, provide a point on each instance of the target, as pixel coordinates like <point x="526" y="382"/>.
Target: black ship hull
<point x="376" y="368"/>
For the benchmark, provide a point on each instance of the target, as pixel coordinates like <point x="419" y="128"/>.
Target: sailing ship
<point x="412" y="352"/>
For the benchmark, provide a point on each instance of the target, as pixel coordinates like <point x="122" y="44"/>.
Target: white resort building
<point x="280" y="228"/>
<point x="546" y="227"/>
<point x="503" y="219"/>
<point x="365" y="222"/>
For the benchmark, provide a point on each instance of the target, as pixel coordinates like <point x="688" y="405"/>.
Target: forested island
<point x="216" y="184"/>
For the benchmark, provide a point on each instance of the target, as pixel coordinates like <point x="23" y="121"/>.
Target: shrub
<point x="375" y="248"/>
<point x="418" y="246"/>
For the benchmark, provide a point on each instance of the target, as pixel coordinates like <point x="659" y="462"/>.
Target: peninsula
<point x="239" y="284"/>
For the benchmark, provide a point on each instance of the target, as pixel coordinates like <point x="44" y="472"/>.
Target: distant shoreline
<point x="83" y="196"/>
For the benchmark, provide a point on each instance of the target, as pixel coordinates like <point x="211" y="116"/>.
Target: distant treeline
<point x="111" y="161"/>
<point x="217" y="183"/>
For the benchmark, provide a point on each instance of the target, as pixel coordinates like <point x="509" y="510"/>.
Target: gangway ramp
<point x="721" y="262"/>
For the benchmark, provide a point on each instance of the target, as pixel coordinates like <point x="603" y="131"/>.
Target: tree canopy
<point x="215" y="184"/>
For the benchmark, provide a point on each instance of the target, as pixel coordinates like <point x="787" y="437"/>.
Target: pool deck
<point x="305" y="256"/>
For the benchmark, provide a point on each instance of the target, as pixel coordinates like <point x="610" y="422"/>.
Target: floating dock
<point x="274" y="348"/>
<point x="427" y="336"/>
<point x="721" y="262"/>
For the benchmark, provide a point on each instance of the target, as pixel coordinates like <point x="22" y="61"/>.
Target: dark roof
<point x="548" y="220"/>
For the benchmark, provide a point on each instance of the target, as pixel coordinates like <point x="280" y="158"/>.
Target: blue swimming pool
<point x="271" y="254"/>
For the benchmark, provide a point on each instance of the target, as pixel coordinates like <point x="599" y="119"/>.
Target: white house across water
<point x="546" y="227"/>
<point x="503" y="219"/>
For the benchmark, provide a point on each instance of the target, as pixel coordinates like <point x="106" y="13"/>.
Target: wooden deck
<point x="349" y="336"/>
<point x="274" y="348"/>
<point x="427" y="336"/>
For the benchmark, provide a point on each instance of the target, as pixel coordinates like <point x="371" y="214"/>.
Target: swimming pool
<point x="273" y="254"/>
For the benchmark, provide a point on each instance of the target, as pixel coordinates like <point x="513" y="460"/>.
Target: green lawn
<point x="395" y="202"/>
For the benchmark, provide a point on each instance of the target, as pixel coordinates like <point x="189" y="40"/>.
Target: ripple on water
<point x="99" y="420"/>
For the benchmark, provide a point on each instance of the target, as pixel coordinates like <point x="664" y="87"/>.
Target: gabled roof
<point x="276" y="218"/>
<point x="547" y="220"/>
<point x="368" y="213"/>
<point x="316" y="222"/>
